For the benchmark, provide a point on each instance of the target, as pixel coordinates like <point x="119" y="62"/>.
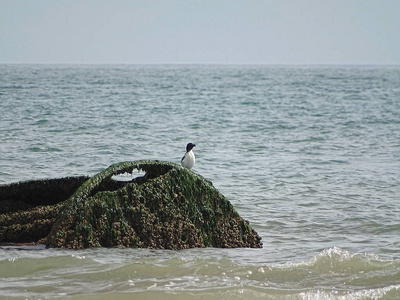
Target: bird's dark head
<point x="189" y="147"/>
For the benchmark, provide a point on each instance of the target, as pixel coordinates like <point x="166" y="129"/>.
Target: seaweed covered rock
<point x="28" y="209"/>
<point x="169" y="207"/>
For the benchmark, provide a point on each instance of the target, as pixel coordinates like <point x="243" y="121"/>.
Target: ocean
<point x="309" y="155"/>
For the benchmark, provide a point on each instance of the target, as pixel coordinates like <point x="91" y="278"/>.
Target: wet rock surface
<point x="169" y="207"/>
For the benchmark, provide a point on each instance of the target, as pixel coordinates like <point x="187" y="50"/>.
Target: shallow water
<point x="194" y="274"/>
<point x="309" y="155"/>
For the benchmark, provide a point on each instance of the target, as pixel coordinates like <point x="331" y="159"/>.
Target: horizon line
<point x="201" y="63"/>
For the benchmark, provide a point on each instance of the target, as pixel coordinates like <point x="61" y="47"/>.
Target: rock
<point x="169" y="207"/>
<point x="28" y="209"/>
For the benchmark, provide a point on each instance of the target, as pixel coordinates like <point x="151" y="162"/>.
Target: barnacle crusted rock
<point x="169" y="207"/>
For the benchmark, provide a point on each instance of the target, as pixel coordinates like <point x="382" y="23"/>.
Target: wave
<point x="334" y="273"/>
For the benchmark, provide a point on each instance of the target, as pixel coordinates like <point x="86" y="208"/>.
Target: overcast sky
<point x="200" y="31"/>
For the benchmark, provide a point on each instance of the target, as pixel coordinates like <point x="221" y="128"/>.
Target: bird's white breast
<point x="189" y="160"/>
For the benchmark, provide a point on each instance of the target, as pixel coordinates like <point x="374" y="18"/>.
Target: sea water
<point x="310" y="155"/>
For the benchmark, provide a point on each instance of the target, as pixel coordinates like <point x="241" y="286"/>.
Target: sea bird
<point x="188" y="159"/>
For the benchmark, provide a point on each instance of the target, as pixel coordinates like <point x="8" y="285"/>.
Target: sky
<point x="200" y="31"/>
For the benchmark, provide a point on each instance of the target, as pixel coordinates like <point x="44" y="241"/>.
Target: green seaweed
<point x="169" y="207"/>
